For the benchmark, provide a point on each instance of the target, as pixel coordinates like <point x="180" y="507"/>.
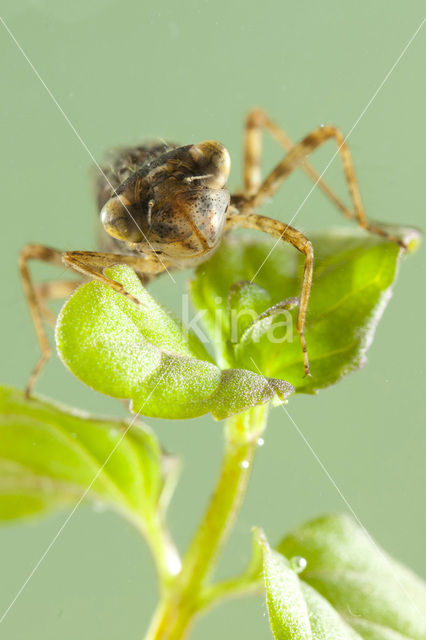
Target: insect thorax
<point x="164" y="198"/>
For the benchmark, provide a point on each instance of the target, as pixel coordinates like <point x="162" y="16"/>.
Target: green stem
<point x="164" y="553"/>
<point x="184" y="598"/>
<point x="242" y="585"/>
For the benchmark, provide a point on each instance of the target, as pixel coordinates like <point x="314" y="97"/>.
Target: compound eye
<point x="118" y="220"/>
<point x="214" y="161"/>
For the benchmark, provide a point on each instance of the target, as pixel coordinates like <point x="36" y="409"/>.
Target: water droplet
<point x="113" y="432"/>
<point x="99" y="507"/>
<point x="244" y="464"/>
<point x="260" y="442"/>
<point x="322" y="125"/>
<point x="298" y="564"/>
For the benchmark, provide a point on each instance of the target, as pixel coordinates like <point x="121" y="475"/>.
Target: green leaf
<point x="377" y="596"/>
<point x="296" y="611"/>
<point x="50" y="456"/>
<point x="139" y="352"/>
<point x="246" y="301"/>
<point x="353" y="277"/>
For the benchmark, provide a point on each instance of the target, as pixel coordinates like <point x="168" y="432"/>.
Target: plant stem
<point x="164" y="553"/>
<point x="184" y="599"/>
<point x="233" y="588"/>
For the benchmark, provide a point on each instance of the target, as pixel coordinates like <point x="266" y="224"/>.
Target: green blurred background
<point x="187" y="71"/>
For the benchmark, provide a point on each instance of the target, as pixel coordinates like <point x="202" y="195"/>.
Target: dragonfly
<point x="162" y="206"/>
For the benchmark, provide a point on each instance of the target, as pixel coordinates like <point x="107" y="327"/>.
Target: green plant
<point x="325" y="580"/>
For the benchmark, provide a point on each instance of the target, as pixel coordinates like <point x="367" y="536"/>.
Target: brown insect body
<point x="164" y="206"/>
<point x="121" y="163"/>
<point x="173" y="204"/>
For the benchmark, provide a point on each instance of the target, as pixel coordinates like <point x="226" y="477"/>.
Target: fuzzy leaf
<point x="140" y="353"/>
<point x="296" y="611"/>
<point x="353" y="277"/>
<point x="50" y="455"/>
<point x="377" y="596"/>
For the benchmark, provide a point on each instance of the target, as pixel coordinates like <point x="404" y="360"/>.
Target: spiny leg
<point x="84" y="262"/>
<point x="257" y="122"/>
<point x="35" y="299"/>
<point x="301" y="243"/>
<point x="92" y="263"/>
<point x="296" y="157"/>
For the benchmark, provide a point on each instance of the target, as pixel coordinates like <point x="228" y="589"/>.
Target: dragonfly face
<point x="175" y="205"/>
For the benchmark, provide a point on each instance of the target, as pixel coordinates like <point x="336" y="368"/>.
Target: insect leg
<point x="289" y="234"/>
<point x="54" y="290"/>
<point x="257" y="122"/>
<point x="92" y="263"/>
<point x="89" y="264"/>
<point x="35" y="297"/>
<point x="296" y="157"/>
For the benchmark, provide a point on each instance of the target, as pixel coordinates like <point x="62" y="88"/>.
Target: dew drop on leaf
<point x="298" y="564"/>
